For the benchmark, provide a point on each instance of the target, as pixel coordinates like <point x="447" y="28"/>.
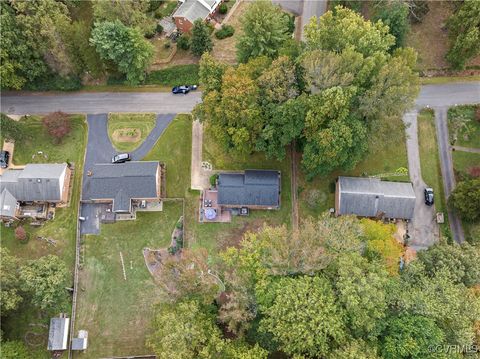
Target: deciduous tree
<point x="304" y="318"/>
<point x="466" y="199"/>
<point x="57" y="125"/>
<point x="355" y="349"/>
<point x="211" y="72"/>
<point x="464" y="33"/>
<point x="125" y="47"/>
<point x="14" y="350"/>
<point x="10" y="284"/>
<point x="45" y="279"/>
<point x="395" y="15"/>
<point x="265" y="29"/>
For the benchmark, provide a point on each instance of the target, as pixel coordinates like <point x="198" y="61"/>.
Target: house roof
<point x="8" y="204"/>
<point x="79" y="343"/>
<point x="369" y="197"/>
<point x="192" y="10"/>
<point x="36" y="182"/>
<point x="252" y="188"/>
<point x="58" y="333"/>
<point x="121" y="183"/>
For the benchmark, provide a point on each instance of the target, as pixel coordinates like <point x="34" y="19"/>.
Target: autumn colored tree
<point x="58" y="125"/>
<point x="20" y="233"/>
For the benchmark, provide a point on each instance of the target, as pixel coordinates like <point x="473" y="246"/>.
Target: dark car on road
<point x="184" y="89"/>
<point x="428" y="192"/>
<point x="4" y="156"/>
<point x="121" y="158"/>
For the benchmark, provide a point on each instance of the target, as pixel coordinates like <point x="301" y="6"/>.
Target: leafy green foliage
<point x="184" y="42"/>
<point x="45" y="280"/>
<point x="224" y="32"/>
<point x="174" y="76"/>
<point x="14" y="350"/>
<point x="10" y="285"/>
<point x="355" y="350"/>
<point x="211" y="72"/>
<point x="303" y="317"/>
<point x="125" y="47"/>
<point x="11" y="129"/>
<point x="223" y="8"/>
<point x="395" y="15"/>
<point x="464" y="32"/>
<point x="201" y="41"/>
<point x="412" y="337"/>
<point x="466" y="199"/>
<point x="265" y="29"/>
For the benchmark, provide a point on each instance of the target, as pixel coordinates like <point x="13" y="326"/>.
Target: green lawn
<point x="462" y="161"/>
<point x="62" y="228"/>
<point x="430" y="161"/>
<point x="141" y="124"/>
<point x="387" y="154"/>
<point x="166" y="9"/>
<point x="468" y="135"/>
<point x="174" y="76"/>
<point x="117" y="312"/>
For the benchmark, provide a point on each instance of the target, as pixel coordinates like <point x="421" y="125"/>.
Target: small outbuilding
<point x="58" y="334"/>
<point x="80" y="343"/>
<point x="371" y="197"/>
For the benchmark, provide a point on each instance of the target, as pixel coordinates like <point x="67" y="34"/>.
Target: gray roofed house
<point x="254" y="188"/>
<point x="371" y="197"/>
<point x="122" y="183"/>
<point x="8" y="204"/>
<point x="58" y="334"/>
<point x="191" y="10"/>
<point x="38" y="182"/>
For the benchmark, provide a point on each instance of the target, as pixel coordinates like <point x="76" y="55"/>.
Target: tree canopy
<point x="200" y="41"/>
<point x="466" y="199"/>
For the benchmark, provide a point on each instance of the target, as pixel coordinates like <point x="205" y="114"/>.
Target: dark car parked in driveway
<point x="428" y="192"/>
<point x="121" y="158"/>
<point x="184" y="89"/>
<point x="4" y="156"/>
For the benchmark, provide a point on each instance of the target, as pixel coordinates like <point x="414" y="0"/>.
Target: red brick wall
<point x="183" y="24"/>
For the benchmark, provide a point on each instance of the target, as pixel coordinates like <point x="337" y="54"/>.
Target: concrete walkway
<point x="446" y="165"/>
<point x="424" y="230"/>
<point x="200" y="178"/>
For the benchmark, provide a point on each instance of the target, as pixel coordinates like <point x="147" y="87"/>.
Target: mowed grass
<point x="468" y="135"/>
<point x="117" y="312"/>
<point x="62" y="228"/>
<point x="144" y="123"/>
<point x="387" y="153"/>
<point x="463" y="161"/>
<point x="174" y="149"/>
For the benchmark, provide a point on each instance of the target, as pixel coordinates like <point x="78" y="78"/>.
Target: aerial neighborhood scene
<point x="240" y="179"/>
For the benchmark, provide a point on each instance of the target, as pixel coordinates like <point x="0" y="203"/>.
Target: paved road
<point x="312" y="8"/>
<point x="100" y="150"/>
<point x="424" y="230"/>
<point x="447" y="95"/>
<point x="97" y="103"/>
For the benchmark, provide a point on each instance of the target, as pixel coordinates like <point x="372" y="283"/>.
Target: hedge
<point x="174" y="76"/>
<point x="224" y="32"/>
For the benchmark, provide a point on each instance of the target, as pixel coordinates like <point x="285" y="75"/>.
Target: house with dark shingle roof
<point x="252" y="189"/>
<point x="36" y="186"/>
<point x="191" y="10"/>
<point x="123" y="184"/>
<point x="371" y="197"/>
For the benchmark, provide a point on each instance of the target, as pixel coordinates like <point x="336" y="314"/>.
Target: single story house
<point x="191" y="10"/>
<point x="371" y="197"/>
<point x="58" y="334"/>
<point x="123" y="184"/>
<point x="28" y="192"/>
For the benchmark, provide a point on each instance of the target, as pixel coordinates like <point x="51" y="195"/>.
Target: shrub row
<point x="224" y="32"/>
<point x="174" y="76"/>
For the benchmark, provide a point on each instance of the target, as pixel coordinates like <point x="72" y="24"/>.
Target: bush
<point x="54" y="82"/>
<point x="167" y="45"/>
<point x="213" y="180"/>
<point x="159" y="29"/>
<point x="10" y="129"/>
<point x="155" y="4"/>
<point x="223" y="9"/>
<point x="20" y="233"/>
<point x="57" y="125"/>
<point x="183" y="42"/>
<point x="224" y="32"/>
<point x="477" y="114"/>
<point x="174" y="76"/>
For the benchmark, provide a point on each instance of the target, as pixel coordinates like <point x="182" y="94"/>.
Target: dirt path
<point x="466" y="149"/>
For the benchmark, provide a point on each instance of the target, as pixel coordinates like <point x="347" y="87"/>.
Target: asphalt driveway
<point x="100" y="150"/>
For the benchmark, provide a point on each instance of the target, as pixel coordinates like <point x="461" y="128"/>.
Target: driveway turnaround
<point x="424" y="230"/>
<point x="99" y="102"/>
<point x="100" y="150"/>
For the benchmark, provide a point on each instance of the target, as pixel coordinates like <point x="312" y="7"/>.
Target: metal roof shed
<point x="58" y="334"/>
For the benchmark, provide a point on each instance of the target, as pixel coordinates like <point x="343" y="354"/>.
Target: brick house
<point x="191" y="10"/>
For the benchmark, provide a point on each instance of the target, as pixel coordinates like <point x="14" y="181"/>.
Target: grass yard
<point x="117" y="312"/>
<point x="174" y="76"/>
<point x="166" y="9"/>
<point x="386" y="155"/>
<point x="128" y="131"/>
<point x="463" y="125"/>
<point x="174" y="148"/>
<point x="163" y="48"/>
<point x="430" y="161"/>
<point x="62" y="228"/>
<point x="462" y="161"/>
